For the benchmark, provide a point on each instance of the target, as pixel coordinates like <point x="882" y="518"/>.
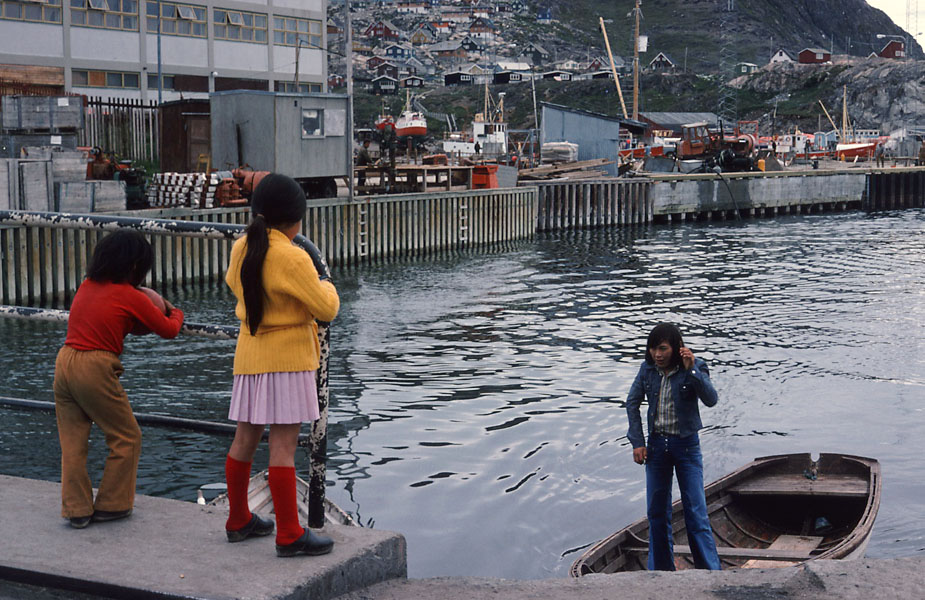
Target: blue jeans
<point x="665" y="455"/>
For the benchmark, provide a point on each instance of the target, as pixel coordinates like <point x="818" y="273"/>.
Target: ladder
<point x="363" y="231"/>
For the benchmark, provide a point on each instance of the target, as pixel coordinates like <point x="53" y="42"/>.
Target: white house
<point x="781" y="56"/>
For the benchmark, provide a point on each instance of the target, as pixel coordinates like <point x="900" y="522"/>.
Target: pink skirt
<point x="274" y="398"/>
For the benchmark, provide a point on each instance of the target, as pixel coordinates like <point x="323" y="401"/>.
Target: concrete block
<point x="174" y="549"/>
<point x="53" y="113"/>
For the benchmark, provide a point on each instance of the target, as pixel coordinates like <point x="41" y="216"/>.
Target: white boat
<point x="260" y="501"/>
<point x="489" y="131"/>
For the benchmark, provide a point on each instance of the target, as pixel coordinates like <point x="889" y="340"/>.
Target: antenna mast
<point x="726" y="109"/>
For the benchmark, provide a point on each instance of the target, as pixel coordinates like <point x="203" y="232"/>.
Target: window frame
<point x="287" y="31"/>
<point x="223" y="24"/>
<point x="50" y="11"/>
<point x="318" y="132"/>
<point x="94" y="78"/>
<point x="172" y="21"/>
<point x="103" y="16"/>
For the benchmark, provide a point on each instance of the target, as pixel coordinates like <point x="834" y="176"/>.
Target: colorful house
<point x="893" y="49"/>
<point x="810" y="56"/>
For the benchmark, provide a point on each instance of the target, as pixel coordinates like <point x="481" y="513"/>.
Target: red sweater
<point x="103" y="313"/>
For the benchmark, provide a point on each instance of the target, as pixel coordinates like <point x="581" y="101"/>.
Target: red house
<point x="382" y="30"/>
<point x="814" y="56"/>
<point x="373" y="63"/>
<point x="894" y="49"/>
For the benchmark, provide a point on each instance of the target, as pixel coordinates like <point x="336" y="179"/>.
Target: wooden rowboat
<point x="775" y="511"/>
<point x="260" y="501"/>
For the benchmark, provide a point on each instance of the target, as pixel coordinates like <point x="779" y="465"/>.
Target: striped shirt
<point x="666" y="421"/>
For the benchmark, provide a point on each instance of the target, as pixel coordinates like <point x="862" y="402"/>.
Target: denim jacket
<point x="686" y="387"/>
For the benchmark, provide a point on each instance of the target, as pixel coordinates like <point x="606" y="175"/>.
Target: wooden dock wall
<point x="889" y="189"/>
<point x="580" y="204"/>
<point x="42" y="265"/>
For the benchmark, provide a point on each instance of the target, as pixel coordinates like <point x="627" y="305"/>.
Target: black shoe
<point x="257" y="526"/>
<point x="308" y="543"/>
<point x="80" y="522"/>
<point x="110" y="515"/>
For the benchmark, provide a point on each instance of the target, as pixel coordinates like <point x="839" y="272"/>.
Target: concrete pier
<point x="172" y="550"/>
<point x="169" y="549"/>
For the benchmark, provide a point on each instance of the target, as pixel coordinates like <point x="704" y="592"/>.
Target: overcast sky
<point x="896" y="9"/>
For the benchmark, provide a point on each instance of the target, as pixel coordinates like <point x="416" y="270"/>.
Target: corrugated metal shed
<point x="597" y="136"/>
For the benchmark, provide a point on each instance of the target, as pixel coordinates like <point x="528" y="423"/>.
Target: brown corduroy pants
<point x="87" y="390"/>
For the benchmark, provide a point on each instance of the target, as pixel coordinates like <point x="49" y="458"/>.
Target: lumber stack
<point x="581" y="169"/>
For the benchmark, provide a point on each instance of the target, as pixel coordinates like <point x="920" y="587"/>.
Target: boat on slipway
<point x="776" y="511"/>
<point x="410" y="123"/>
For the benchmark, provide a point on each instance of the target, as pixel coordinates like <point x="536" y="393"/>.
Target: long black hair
<point x="665" y="332"/>
<point x="277" y="201"/>
<point x="122" y="256"/>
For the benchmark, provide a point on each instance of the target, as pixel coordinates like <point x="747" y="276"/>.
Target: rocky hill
<point x="689" y="30"/>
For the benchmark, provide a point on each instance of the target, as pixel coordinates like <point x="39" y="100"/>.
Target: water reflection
<point x="478" y="399"/>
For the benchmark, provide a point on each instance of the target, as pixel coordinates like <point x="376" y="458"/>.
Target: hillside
<point x="690" y="28"/>
<point x="882" y="94"/>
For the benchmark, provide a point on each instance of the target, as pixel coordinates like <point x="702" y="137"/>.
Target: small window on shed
<point x="312" y="122"/>
<point x="235" y="18"/>
<point x="186" y="12"/>
<point x="98" y="4"/>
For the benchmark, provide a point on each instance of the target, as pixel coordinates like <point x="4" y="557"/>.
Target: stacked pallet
<point x="196" y="190"/>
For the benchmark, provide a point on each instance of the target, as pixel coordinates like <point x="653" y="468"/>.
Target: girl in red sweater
<point x="108" y="305"/>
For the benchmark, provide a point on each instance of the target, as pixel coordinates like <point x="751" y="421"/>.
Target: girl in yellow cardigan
<point x="279" y="296"/>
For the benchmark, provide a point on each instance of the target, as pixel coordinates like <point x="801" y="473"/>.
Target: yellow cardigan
<point x="287" y="338"/>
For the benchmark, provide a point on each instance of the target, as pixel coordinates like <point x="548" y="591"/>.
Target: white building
<point x="112" y="48"/>
<point x="781" y="56"/>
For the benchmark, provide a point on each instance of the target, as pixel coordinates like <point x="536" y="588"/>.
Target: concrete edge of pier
<point x="171" y="549"/>
<point x="816" y="580"/>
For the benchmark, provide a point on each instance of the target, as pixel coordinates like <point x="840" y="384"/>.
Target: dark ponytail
<point x="277" y="201"/>
<point x="258" y="242"/>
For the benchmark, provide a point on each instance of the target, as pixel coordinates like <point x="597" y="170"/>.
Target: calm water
<point x="478" y="399"/>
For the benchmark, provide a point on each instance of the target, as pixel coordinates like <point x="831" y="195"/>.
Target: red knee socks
<point x="237" y="476"/>
<point x="282" y="488"/>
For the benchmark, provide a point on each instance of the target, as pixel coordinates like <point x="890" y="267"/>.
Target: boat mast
<point x="636" y="66"/>
<point x="844" y="115"/>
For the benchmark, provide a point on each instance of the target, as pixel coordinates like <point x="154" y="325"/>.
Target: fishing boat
<point x="775" y="511"/>
<point x="488" y="130"/>
<point x="260" y="501"/>
<point x="384" y="122"/>
<point x="410" y="123"/>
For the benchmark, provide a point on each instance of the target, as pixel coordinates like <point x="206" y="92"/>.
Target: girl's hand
<point x="687" y="357"/>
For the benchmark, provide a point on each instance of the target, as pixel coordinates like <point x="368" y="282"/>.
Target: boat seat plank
<point x="729" y="552"/>
<point x="802" y="543"/>
<point x="798" y="485"/>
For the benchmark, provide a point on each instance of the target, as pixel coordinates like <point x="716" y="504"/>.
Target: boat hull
<point x="766" y="514"/>
<point x="410" y="130"/>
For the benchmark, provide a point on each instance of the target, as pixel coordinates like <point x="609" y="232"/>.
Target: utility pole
<point x="636" y="65"/>
<point x="348" y="53"/>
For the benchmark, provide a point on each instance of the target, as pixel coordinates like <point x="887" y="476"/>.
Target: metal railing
<point x="317" y="438"/>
